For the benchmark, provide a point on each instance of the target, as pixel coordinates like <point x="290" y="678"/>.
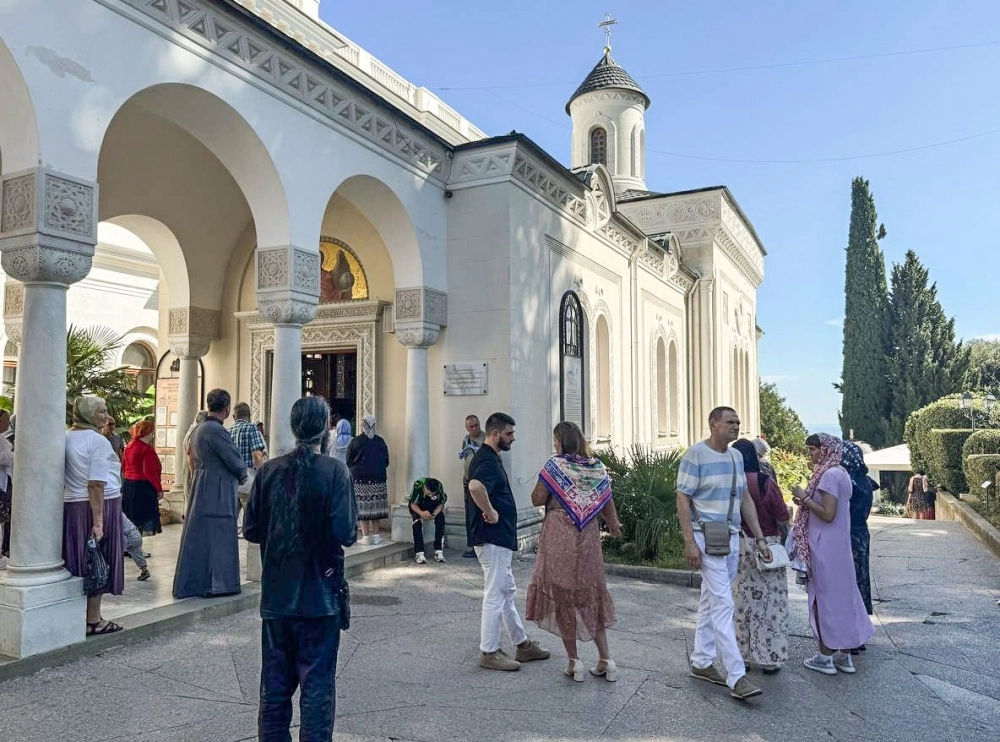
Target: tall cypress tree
<point x="925" y="362"/>
<point x="864" y="383"/>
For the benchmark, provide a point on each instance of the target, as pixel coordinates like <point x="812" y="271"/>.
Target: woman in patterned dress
<point x="368" y="460"/>
<point x="761" y="596"/>
<point x="568" y="595"/>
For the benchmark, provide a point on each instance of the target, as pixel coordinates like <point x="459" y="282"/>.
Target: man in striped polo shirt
<point x="704" y="487"/>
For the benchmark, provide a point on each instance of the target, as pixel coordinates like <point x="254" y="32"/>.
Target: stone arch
<point x="234" y="143"/>
<point x="330" y="249"/>
<point x="165" y="248"/>
<point x="384" y="210"/>
<point x="602" y="373"/>
<point x="19" y="146"/>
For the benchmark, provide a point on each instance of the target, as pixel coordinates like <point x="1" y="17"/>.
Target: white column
<point x="187" y="409"/>
<point x="418" y="422"/>
<point x="49" y="230"/>
<point x="286" y="386"/>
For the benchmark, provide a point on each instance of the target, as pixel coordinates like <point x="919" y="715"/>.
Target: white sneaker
<point x="438" y="556"/>
<point x="376" y="539"/>
<point x="821" y="663"/>
<point x="842" y="661"/>
<point x="420" y="558"/>
<point x="365" y="540"/>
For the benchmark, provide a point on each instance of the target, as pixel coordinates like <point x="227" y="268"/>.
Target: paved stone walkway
<point x="407" y="667"/>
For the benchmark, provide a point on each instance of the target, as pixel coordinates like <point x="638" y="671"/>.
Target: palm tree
<point x="90" y="351"/>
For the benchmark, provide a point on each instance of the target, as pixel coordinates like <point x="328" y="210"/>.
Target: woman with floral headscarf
<point x="822" y="533"/>
<point x="368" y="460"/>
<point x="142" y="489"/>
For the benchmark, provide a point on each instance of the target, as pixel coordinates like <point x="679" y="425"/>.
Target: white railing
<point x="327" y="43"/>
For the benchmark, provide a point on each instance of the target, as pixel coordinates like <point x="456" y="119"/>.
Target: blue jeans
<point x="298" y="653"/>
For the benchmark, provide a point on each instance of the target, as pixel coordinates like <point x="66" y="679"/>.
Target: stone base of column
<point x="42" y="618"/>
<point x="400" y="524"/>
<point x="255" y="568"/>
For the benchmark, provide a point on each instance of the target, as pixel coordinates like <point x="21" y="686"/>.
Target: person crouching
<point x="427" y="501"/>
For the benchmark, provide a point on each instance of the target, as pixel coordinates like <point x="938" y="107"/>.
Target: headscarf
<point x="580" y="484"/>
<point x="831" y="449"/>
<point x="763" y="449"/>
<point x="141" y="429"/>
<point x="343" y="433"/>
<point x="751" y="464"/>
<point x="85" y="413"/>
<point x="853" y="459"/>
<point x="368" y="425"/>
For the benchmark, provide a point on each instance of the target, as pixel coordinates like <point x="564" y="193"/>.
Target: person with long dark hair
<point x="302" y="512"/>
<point x="761" y="595"/>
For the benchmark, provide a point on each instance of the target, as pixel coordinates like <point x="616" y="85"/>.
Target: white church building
<point x="321" y="225"/>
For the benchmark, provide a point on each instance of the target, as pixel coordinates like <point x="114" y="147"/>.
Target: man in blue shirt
<point x="494" y="537"/>
<point x="709" y="482"/>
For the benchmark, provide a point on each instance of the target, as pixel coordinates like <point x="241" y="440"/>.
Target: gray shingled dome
<point x="607" y="74"/>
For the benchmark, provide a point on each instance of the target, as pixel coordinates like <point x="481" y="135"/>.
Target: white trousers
<point x="715" y="630"/>
<point x="499" y="592"/>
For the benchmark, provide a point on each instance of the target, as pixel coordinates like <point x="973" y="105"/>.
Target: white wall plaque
<point x="466" y="379"/>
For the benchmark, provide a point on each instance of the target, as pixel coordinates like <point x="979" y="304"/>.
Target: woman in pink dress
<point x="822" y="533"/>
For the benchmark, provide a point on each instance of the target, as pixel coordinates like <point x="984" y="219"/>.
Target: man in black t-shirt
<point x="494" y="537"/>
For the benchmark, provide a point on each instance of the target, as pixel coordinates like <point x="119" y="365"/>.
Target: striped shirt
<point x="706" y="476"/>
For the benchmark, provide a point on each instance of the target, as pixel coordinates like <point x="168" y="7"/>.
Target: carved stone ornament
<point x="190" y="346"/>
<point x="13" y="330"/>
<point x="286" y="310"/>
<point x="421" y="304"/>
<point x="194" y="321"/>
<point x="13" y="301"/>
<point x="40" y="264"/>
<point x="48" y="202"/>
<point x="417" y="334"/>
<point x="288" y="268"/>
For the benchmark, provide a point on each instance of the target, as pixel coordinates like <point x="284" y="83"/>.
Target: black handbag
<point x="96" y="573"/>
<point x="5" y="501"/>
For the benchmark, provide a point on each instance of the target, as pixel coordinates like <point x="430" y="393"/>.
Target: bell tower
<point x="608" y="111"/>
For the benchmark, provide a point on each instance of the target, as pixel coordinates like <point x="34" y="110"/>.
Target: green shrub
<point x="944" y="413"/>
<point x="792" y="468"/>
<point x="644" y="484"/>
<point x="982" y="467"/>
<point x="943" y="452"/>
<point x="982" y="441"/>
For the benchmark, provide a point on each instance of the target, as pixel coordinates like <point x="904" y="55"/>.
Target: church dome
<point x="608" y="74"/>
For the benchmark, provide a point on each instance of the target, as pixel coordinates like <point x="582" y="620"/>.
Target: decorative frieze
<point x="543" y="181"/>
<point x="477" y="165"/>
<point x="42" y="264"/>
<point x="286" y="310"/>
<point x="13" y="300"/>
<point x="288" y="268"/>
<point x="258" y="55"/>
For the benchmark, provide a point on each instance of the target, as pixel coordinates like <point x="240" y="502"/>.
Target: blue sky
<point x="513" y="66"/>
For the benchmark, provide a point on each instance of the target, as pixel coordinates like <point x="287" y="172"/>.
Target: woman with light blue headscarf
<point x="341" y="440"/>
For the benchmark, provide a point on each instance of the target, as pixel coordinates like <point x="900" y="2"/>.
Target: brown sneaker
<point x="744" y="689"/>
<point x="710" y="673"/>
<point x="529" y="651"/>
<point x="498" y="660"/>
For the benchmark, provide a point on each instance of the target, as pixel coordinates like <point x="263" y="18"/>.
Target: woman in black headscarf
<point x="862" y="488"/>
<point x="761" y="595"/>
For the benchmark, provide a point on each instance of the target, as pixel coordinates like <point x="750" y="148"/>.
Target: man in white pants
<point x="710" y="474"/>
<point x="494" y="537"/>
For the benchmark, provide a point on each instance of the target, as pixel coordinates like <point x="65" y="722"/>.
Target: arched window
<point x="674" y="380"/>
<point x="139" y="358"/>
<point x="662" y="419"/>
<point x="598" y="146"/>
<point x="9" y="366"/>
<point x="747" y="412"/>
<point x="603" y="378"/>
<point x="571" y="363"/>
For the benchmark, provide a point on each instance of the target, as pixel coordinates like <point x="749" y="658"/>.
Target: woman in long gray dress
<point x="208" y="563"/>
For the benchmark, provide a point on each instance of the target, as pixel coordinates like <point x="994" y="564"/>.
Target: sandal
<point x="110" y="627"/>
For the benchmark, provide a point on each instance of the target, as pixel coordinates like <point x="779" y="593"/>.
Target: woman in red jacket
<point x="142" y="490"/>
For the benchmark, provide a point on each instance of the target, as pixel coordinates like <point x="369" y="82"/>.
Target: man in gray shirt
<point x="473" y="440"/>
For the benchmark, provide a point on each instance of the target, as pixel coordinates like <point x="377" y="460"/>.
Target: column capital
<point x="48" y="226"/>
<point x="417" y="334"/>
<point x="286" y="309"/>
<point x="191" y="330"/>
<point x="13" y="309"/>
<point x="191" y="346"/>
<point x="420" y="304"/>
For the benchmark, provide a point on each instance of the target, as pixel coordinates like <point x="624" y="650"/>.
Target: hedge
<point x="943" y="453"/>
<point x="944" y="413"/>
<point x="982" y="467"/>
<point x="982" y="441"/>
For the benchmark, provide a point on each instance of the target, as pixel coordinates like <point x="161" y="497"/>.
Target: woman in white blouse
<point x="92" y="504"/>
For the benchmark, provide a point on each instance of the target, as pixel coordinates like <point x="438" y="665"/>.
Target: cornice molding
<point x="234" y="44"/>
